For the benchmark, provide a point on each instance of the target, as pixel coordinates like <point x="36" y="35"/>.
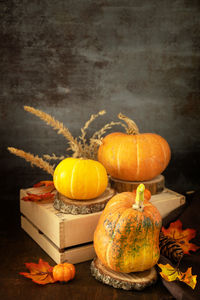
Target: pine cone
<point x="169" y="248"/>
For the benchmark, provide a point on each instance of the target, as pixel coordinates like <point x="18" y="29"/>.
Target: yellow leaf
<point x="188" y="278"/>
<point x="170" y="273"/>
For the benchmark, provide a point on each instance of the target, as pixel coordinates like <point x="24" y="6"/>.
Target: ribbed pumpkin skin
<point x="127" y="240"/>
<point x="136" y="157"/>
<point x="64" y="272"/>
<point x="81" y="179"/>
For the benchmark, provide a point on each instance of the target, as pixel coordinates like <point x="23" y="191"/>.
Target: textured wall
<point x="73" y="58"/>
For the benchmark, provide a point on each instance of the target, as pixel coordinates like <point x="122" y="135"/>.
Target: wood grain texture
<point x="155" y="186"/>
<point x="75" y="207"/>
<point x="83" y="287"/>
<point x="131" y="281"/>
<point x="57" y="226"/>
<point x="75" y="254"/>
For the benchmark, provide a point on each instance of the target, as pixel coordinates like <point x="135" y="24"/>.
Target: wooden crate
<point x="67" y="237"/>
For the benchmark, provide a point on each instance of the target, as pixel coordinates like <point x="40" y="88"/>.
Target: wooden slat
<point x="167" y="201"/>
<point x="75" y="255"/>
<point x="64" y="230"/>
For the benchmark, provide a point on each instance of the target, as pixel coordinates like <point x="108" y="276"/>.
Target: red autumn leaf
<point x="36" y="198"/>
<point x="170" y="273"/>
<point x="182" y="237"/>
<point x="44" y="183"/>
<point x="42" y="191"/>
<point x="40" y="273"/>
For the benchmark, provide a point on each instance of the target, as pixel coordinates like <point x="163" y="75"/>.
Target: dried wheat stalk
<point x="53" y="157"/>
<point x="58" y="126"/>
<point x="34" y="160"/>
<point x="98" y="134"/>
<point x="79" y="147"/>
<point x="87" y="124"/>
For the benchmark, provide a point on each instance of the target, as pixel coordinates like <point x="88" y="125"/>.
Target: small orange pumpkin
<point x="133" y="156"/>
<point x="126" y="238"/>
<point x="81" y="179"/>
<point x="64" y="272"/>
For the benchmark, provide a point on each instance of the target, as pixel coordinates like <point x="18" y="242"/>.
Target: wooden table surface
<point x="18" y="248"/>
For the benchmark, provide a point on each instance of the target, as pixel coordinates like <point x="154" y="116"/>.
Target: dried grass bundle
<point x="56" y="125"/>
<point x="34" y="160"/>
<point x="80" y="147"/>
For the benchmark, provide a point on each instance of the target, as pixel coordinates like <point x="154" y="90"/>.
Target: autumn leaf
<point x="37" y="198"/>
<point x="170" y="273"/>
<point x="188" y="278"/>
<point x="41" y="191"/>
<point x="40" y="273"/>
<point x="44" y="183"/>
<point x="182" y="237"/>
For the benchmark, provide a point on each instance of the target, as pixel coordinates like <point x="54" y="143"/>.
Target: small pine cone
<point x="169" y="248"/>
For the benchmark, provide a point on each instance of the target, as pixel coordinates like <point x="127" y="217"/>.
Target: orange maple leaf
<point x="182" y="237"/>
<point x="170" y="273"/>
<point x="40" y="273"/>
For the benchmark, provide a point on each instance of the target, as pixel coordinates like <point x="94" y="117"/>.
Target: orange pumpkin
<point x="133" y="156"/>
<point x="126" y="238"/>
<point x="81" y="179"/>
<point x="63" y="272"/>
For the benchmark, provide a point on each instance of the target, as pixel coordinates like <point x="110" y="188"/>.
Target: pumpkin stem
<point x="139" y="197"/>
<point x="131" y="127"/>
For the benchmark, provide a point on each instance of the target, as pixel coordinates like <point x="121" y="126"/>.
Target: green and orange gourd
<point x="134" y="156"/>
<point x="126" y="238"/>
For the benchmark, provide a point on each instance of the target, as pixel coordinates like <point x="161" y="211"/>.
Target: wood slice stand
<point x="131" y="281"/>
<point x="75" y="207"/>
<point x="155" y="186"/>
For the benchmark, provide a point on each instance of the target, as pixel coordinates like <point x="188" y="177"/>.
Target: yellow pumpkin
<point x="81" y="179"/>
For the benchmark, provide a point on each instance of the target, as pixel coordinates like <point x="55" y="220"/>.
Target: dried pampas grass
<point x="80" y="147"/>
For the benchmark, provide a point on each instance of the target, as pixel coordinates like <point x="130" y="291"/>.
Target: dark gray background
<point x="72" y="58"/>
